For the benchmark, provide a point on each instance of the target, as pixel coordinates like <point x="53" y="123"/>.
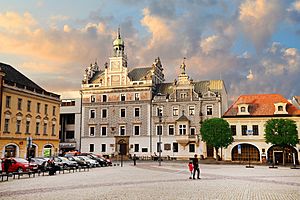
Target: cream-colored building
<point x="29" y="117"/>
<point x="247" y="118"/>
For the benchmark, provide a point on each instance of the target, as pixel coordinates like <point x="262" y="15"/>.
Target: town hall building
<point x="134" y="111"/>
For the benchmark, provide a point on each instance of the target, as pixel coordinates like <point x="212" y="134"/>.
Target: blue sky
<point x="52" y="42"/>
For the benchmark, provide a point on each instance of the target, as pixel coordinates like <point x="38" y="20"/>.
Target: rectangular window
<point x="122" y="130"/>
<point x="193" y="131"/>
<point x="136" y="147"/>
<point x="93" y="98"/>
<point x="18" y="126"/>
<point x="123" y="112"/>
<point x="103" y="147"/>
<point x="122" y="97"/>
<point x="70" y="135"/>
<point x="159" y="111"/>
<point x="53" y="129"/>
<point x="27" y="127"/>
<point x="233" y="129"/>
<point x="28" y="106"/>
<point x="183" y="95"/>
<point x="104" y="113"/>
<point x="144" y="150"/>
<point x="175" y="147"/>
<point x="37" y="128"/>
<point x="182" y="129"/>
<point x="38" y="107"/>
<point x="46" y="109"/>
<point x="19" y="104"/>
<point x="136" y="130"/>
<point x="192" y="148"/>
<point x="171" y="129"/>
<point x="244" y="129"/>
<point x="103" y="130"/>
<point x="92" y="114"/>
<point x="104" y="98"/>
<point x="6" y="125"/>
<point x="175" y="111"/>
<point x="92" y="147"/>
<point x="136" y="112"/>
<point x="45" y="129"/>
<point x="209" y="110"/>
<point x="54" y="111"/>
<point x="192" y="110"/>
<point x="159" y="147"/>
<point x="92" y="131"/>
<point x="7" y="102"/>
<point x="159" y="130"/>
<point x="136" y="96"/>
<point x="255" y="129"/>
<point x="167" y="147"/>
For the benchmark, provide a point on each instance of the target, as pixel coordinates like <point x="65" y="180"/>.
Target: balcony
<point x="185" y="139"/>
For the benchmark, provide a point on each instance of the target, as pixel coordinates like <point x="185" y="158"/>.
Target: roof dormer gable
<point x="280" y="108"/>
<point x="243" y="109"/>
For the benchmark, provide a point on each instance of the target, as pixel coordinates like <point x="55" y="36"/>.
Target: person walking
<point x="134" y="158"/>
<point x="7" y="164"/>
<point x="191" y="168"/>
<point x="196" y="167"/>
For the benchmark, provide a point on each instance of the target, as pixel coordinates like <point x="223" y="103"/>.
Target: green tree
<point x="282" y="133"/>
<point x="216" y="133"/>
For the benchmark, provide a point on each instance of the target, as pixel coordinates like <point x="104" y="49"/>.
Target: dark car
<point x="101" y="161"/>
<point x="79" y="161"/>
<point x="41" y="163"/>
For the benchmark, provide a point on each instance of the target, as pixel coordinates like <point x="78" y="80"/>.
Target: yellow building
<point x="29" y="123"/>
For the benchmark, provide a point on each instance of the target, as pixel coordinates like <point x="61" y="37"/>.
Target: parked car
<point x="78" y="160"/>
<point x="39" y="162"/>
<point x="93" y="163"/>
<point x="101" y="160"/>
<point x="20" y="165"/>
<point x="67" y="163"/>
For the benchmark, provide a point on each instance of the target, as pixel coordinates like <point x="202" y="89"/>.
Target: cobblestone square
<point x="147" y="180"/>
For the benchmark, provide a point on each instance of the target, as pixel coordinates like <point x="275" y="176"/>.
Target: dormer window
<point x="280" y="108"/>
<point x="243" y="109"/>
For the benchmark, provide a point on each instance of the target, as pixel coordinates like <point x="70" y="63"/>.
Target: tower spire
<point x="119" y="35"/>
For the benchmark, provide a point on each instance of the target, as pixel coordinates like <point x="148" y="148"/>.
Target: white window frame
<point x="90" y="131"/>
<point x="103" y="98"/>
<point x="6" y="125"/>
<point x="139" y="111"/>
<point x="27" y="128"/>
<point x="183" y="95"/>
<point x="137" y="96"/>
<point x="90" y="147"/>
<point x="191" y="130"/>
<point x="173" y="129"/>
<point x="134" y="150"/>
<point x="102" y="148"/>
<point x="122" y="95"/>
<point x="194" y="147"/>
<point x="18" y="126"/>
<point x="101" y="132"/>
<point x="37" y="128"/>
<point x="120" y="130"/>
<point x="93" y="98"/>
<point x="175" y="111"/>
<point x="102" y="113"/>
<point x="45" y="128"/>
<point x="182" y="129"/>
<point x="193" y="109"/>
<point x="212" y="109"/>
<point x="159" y="109"/>
<point x="121" y="112"/>
<point x="133" y="131"/>
<point x="91" y="110"/>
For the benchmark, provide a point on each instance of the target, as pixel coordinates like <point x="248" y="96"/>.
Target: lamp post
<point x="159" y="140"/>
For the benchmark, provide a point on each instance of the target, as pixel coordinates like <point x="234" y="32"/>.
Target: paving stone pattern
<point x="170" y="181"/>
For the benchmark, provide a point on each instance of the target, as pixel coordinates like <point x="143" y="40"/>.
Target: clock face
<point x="115" y="65"/>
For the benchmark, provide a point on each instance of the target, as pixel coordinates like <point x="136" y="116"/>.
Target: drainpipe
<point x="80" y="127"/>
<point x="2" y="74"/>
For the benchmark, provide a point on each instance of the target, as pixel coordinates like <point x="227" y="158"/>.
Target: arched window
<point x="246" y="152"/>
<point x="10" y="150"/>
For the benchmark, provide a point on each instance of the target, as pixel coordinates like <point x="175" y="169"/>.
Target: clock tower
<point x="117" y="71"/>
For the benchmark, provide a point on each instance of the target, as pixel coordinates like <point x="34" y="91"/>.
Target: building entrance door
<point x="123" y="149"/>
<point x="210" y="151"/>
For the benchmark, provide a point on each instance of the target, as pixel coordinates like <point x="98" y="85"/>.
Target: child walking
<point x="191" y="168"/>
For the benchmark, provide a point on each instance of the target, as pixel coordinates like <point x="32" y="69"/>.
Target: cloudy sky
<point x="52" y="42"/>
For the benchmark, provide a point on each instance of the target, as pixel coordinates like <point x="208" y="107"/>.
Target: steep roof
<point x="14" y="76"/>
<point x="199" y="87"/>
<point x="261" y="105"/>
<point x="137" y="74"/>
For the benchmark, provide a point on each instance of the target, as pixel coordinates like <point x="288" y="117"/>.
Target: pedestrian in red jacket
<point x="191" y="168"/>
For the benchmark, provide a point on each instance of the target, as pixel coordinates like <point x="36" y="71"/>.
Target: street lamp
<point x="159" y="140"/>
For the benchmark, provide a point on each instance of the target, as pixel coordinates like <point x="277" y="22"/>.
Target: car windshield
<point x="63" y="158"/>
<point x="21" y="160"/>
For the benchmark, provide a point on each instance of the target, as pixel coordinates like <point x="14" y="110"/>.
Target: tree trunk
<point x="221" y="154"/>
<point x="217" y="153"/>
<point x="283" y="159"/>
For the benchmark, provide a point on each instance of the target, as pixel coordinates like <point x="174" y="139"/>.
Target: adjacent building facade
<point x="247" y="118"/>
<point x="29" y="117"/>
<point x="135" y="112"/>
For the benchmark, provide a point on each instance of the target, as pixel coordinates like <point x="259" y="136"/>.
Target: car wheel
<point x="19" y="170"/>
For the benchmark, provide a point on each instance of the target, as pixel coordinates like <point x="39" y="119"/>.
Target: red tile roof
<point x="261" y="105"/>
